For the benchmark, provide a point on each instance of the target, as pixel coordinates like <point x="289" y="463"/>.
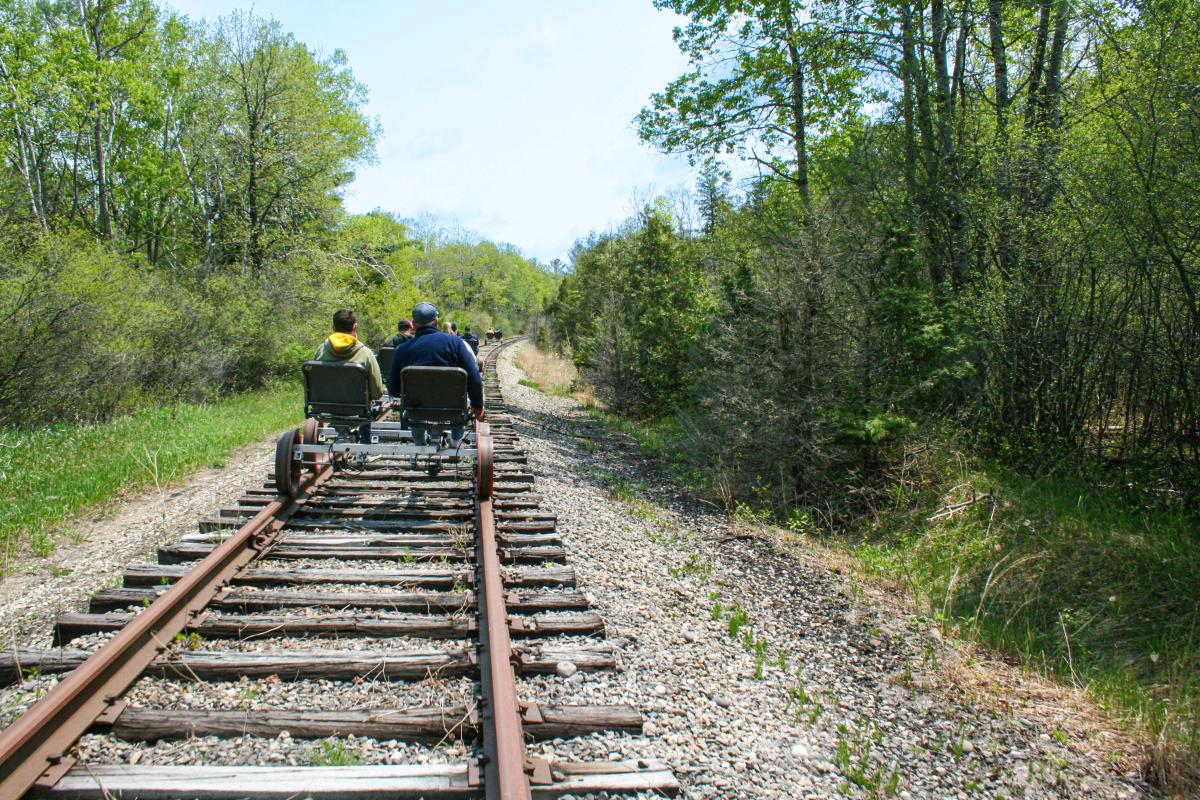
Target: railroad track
<point x="378" y="577"/>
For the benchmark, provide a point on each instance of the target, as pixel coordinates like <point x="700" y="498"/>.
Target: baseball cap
<point x="424" y="313"/>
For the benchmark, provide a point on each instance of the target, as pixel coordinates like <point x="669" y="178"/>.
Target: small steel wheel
<point x="309" y="436"/>
<point x="287" y="468"/>
<point x="484" y="475"/>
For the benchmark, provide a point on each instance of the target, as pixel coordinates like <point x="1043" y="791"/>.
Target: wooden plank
<point x="210" y="524"/>
<point x="240" y="600"/>
<point x="536" y="526"/>
<point x="544" y="657"/>
<point x="298" y="539"/>
<point x="412" y="502"/>
<point x="527" y="514"/>
<point x="529" y="539"/>
<point x="409" y="724"/>
<point x="288" y="664"/>
<point x="103" y="782"/>
<point x="564" y="722"/>
<point x="379" y="509"/>
<point x="614" y="777"/>
<point x="430" y="578"/>
<point x="534" y="555"/>
<point x="526" y="602"/>
<point x="584" y="624"/>
<point x="535" y="602"/>
<point x="178" y="553"/>
<point x="539" y="576"/>
<point x="251" y="626"/>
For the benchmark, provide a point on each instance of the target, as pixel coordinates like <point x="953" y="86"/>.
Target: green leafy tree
<point x="764" y="75"/>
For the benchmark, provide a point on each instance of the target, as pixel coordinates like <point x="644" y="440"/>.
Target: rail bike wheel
<point x="287" y="468"/>
<point x="484" y="474"/>
<point x="308" y="435"/>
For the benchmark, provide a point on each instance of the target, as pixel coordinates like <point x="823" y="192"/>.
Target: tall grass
<point x="51" y="475"/>
<point x="1075" y="578"/>
<point x="549" y="373"/>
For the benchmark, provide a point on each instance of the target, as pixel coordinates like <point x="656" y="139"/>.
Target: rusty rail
<point x="33" y="748"/>
<point x="503" y="764"/>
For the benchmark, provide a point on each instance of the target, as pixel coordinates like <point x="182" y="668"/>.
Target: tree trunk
<point x="799" y="121"/>
<point x="1003" y="170"/>
<point x="908" y="76"/>
<point x="102" y="213"/>
<point x="1000" y="59"/>
<point x="1039" y="64"/>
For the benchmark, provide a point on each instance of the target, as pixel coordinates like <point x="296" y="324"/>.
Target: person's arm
<point x="474" y="380"/>
<point x="376" y="380"/>
<point x="393" y="381"/>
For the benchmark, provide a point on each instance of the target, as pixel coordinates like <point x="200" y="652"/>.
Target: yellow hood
<point x="343" y="344"/>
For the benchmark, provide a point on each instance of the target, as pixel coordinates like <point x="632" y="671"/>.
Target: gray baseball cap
<point x="424" y="313"/>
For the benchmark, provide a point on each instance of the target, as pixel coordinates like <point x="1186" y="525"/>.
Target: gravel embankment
<point x="850" y="696"/>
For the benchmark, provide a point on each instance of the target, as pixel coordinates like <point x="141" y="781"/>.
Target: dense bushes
<point x="1018" y="259"/>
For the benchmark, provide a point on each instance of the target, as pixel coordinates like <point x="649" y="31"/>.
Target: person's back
<point x="471" y="339"/>
<point x="431" y="348"/>
<point x="343" y="346"/>
<point x="402" y="335"/>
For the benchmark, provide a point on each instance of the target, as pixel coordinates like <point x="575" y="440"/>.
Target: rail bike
<point x="344" y="428"/>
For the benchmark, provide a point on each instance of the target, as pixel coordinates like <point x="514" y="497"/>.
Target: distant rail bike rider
<point x="471" y="339"/>
<point x="429" y="347"/>
<point x="343" y="346"/>
<point x="404" y="332"/>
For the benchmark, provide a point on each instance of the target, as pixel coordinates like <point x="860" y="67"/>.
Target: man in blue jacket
<point x="429" y="347"/>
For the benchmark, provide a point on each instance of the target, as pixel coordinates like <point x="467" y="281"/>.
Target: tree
<point x="293" y="133"/>
<point x="761" y="81"/>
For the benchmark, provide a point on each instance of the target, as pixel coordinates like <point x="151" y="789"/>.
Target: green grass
<point x="336" y="753"/>
<point x="664" y="440"/>
<point x="1075" y="579"/>
<point x="48" y="477"/>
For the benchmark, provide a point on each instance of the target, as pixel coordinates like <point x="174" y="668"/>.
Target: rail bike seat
<point x="337" y="393"/>
<point x="384" y="357"/>
<point x="434" y="396"/>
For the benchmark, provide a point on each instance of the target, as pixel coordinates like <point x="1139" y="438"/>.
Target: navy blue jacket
<point x="429" y="347"/>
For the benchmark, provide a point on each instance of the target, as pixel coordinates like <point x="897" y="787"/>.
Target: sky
<point x="512" y="119"/>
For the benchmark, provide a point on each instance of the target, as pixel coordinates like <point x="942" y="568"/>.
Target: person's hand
<point x="480" y="415"/>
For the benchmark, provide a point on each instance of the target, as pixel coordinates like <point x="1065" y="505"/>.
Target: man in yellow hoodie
<point x="343" y="345"/>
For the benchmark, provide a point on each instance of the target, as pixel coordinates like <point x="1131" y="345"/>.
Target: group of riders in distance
<point x="419" y="342"/>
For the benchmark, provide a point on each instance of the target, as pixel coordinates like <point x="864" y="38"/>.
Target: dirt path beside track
<point x="93" y="552"/>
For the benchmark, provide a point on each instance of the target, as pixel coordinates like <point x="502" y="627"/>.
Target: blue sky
<point x="513" y="119"/>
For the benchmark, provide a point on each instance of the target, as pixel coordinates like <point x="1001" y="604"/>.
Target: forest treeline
<point x="171" y="223"/>
<point x="973" y="218"/>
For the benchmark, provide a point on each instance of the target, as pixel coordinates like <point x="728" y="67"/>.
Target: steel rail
<point x="33" y="748"/>
<point x="503" y="763"/>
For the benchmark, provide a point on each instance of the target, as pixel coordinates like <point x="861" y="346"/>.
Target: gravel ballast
<point x="796" y="685"/>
